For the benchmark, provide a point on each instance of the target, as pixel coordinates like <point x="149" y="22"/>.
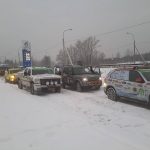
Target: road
<point x="70" y="121"/>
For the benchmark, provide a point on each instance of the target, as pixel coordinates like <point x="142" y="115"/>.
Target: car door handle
<point x="123" y="82"/>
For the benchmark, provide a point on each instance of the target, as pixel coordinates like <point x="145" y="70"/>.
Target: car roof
<point x="38" y="68"/>
<point x="74" y="66"/>
<point x="135" y="68"/>
<point x="14" y="69"/>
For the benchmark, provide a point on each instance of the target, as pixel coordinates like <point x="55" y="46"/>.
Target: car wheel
<point x="32" y="91"/>
<point x="148" y="104"/>
<point x="78" y="87"/>
<point x="111" y="93"/>
<point x="97" y="88"/>
<point x="58" y="90"/>
<point x="20" y="84"/>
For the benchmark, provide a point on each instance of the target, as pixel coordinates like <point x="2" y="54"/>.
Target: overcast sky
<point x="42" y="22"/>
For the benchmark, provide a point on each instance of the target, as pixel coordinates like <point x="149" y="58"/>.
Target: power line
<point x="124" y="28"/>
<point x="104" y="33"/>
<point x="118" y="30"/>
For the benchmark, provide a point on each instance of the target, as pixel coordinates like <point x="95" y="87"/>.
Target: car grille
<point x="93" y="79"/>
<point x="92" y="83"/>
<point x="51" y="81"/>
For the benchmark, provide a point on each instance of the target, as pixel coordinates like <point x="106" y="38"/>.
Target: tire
<point x="32" y="91"/>
<point x="58" y="90"/>
<point x="97" y="88"/>
<point x="148" y="104"/>
<point x="111" y="94"/>
<point x="20" y="84"/>
<point x="78" y="87"/>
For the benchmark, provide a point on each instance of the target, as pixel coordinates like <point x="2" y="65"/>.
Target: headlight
<point x="47" y="83"/>
<point x="37" y="81"/>
<point x="105" y="84"/>
<point x="12" y="77"/>
<point x="100" y="78"/>
<point x="84" y="79"/>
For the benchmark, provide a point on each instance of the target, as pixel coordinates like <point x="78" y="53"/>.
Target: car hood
<point x="13" y="74"/>
<point x="46" y="76"/>
<point x="88" y="76"/>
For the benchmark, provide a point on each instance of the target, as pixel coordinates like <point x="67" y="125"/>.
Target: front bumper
<point x="40" y="88"/>
<point x="92" y="83"/>
<point x="13" y="80"/>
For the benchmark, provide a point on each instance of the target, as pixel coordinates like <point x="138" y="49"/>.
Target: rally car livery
<point x="10" y="75"/>
<point x="133" y="83"/>
<point x="39" y="79"/>
<point x="80" y="78"/>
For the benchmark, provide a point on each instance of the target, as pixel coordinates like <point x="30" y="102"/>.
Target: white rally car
<point x="132" y="83"/>
<point x="39" y="79"/>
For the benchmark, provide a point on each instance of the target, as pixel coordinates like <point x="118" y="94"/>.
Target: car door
<point x="65" y="75"/>
<point x="28" y="77"/>
<point x="24" y="78"/>
<point x="137" y="84"/>
<point x="70" y="80"/>
<point x="120" y="79"/>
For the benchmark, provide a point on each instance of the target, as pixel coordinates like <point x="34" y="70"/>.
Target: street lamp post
<point x="133" y="45"/>
<point x="64" y="45"/>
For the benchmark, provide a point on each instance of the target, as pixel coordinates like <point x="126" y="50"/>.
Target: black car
<point x="80" y="78"/>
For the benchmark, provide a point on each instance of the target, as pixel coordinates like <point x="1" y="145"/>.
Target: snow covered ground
<point x="70" y="121"/>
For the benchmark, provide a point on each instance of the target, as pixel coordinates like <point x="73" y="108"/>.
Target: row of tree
<point x="83" y="52"/>
<point x="44" y="62"/>
<point x="87" y="52"/>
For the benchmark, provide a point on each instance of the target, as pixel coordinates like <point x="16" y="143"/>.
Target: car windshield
<point x="146" y="74"/>
<point x="41" y="71"/>
<point x="79" y="70"/>
<point x="14" y="71"/>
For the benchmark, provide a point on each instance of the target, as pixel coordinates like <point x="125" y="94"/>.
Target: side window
<point x="25" y="72"/>
<point x="135" y="77"/>
<point x="70" y="70"/>
<point x="115" y="74"/>
<point x="29" y="72"/>
<point x="124" y="75"/>
<point x="120" y="75"/>
<point x="66" y="70"/>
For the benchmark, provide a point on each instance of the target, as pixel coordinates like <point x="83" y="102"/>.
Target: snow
<point x="70" y="121"/>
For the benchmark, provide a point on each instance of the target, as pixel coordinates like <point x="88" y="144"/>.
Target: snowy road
<point x="70" y="121"/>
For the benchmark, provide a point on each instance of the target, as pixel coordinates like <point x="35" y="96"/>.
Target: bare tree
<point x="46" y="61"/>
<point x="118" y="55"/>
<point x="83" y="51"/>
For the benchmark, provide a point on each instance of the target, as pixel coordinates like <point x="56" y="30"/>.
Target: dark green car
<point x="79" y="78"/>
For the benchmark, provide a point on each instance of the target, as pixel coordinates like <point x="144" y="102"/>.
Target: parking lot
<point x="70" y="120"/>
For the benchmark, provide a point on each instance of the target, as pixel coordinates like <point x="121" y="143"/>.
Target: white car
<point x="39" y="79"/>
<point x="132" y="83"/>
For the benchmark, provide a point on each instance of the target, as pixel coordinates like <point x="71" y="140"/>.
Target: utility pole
<point x="133" y="45"/>
<point x="19" y="58"/>
<point x="135" y="48"/>
<point x="64" y="48"/>
<point x="134" y="52"/>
